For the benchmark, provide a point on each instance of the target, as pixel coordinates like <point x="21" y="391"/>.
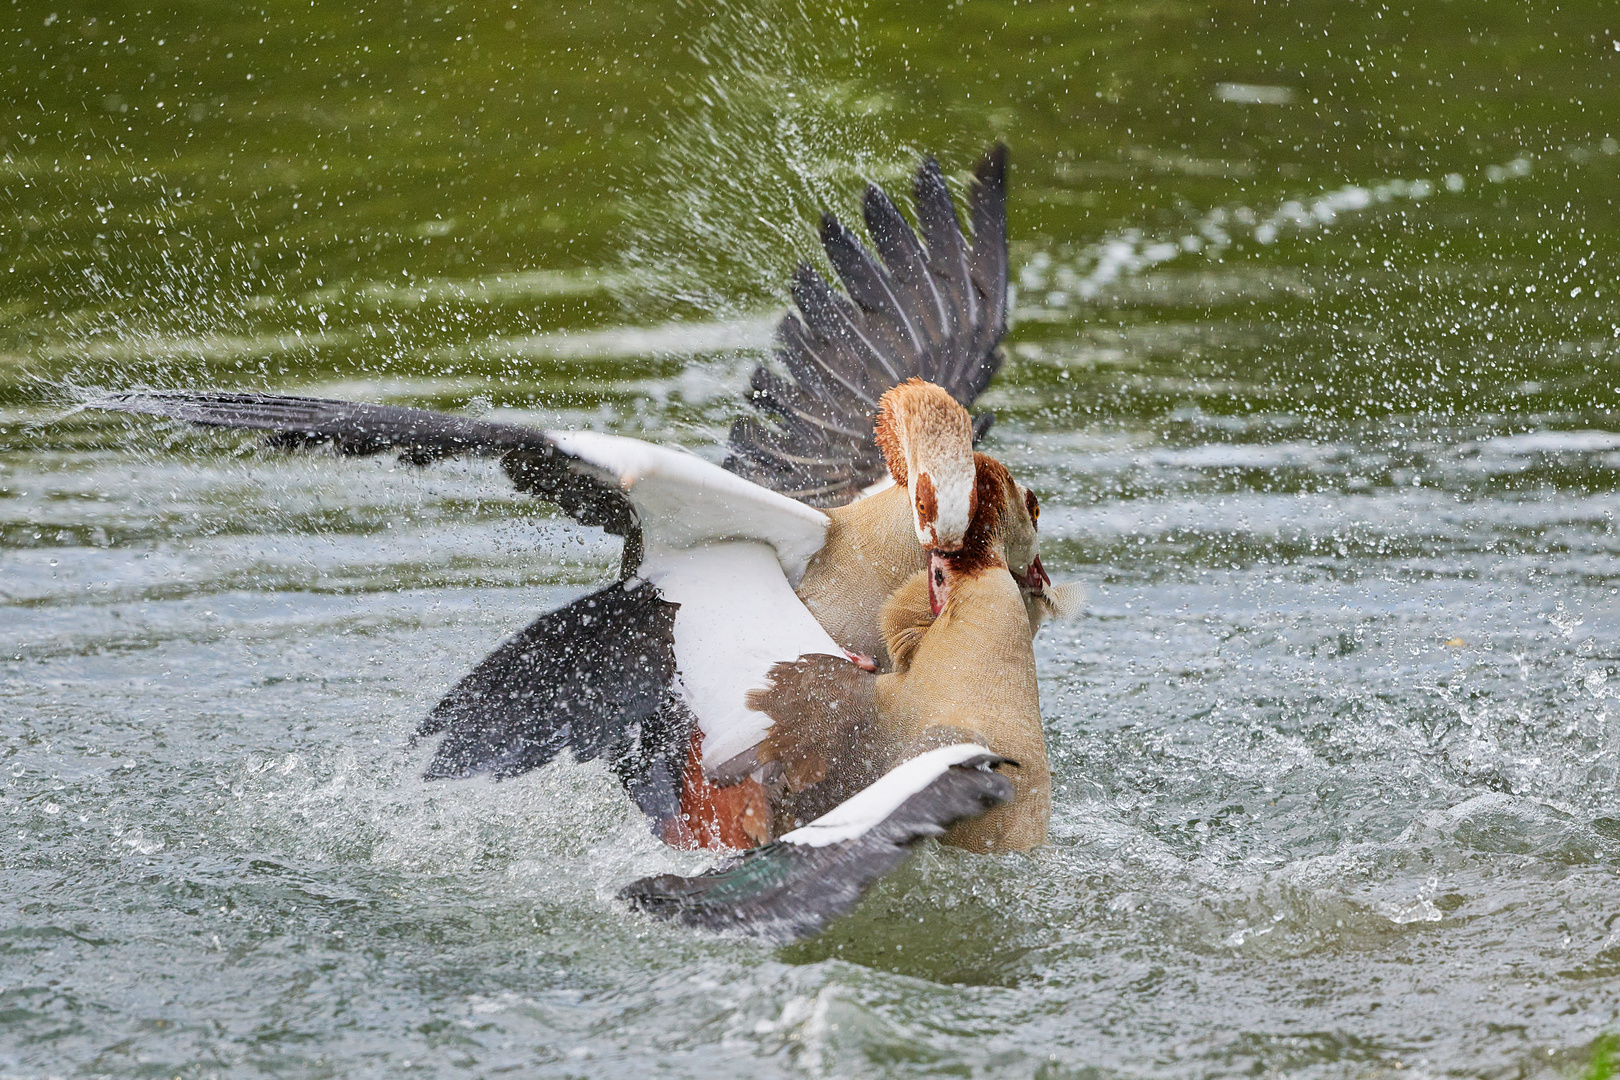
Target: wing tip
<point x="880" y="212"/>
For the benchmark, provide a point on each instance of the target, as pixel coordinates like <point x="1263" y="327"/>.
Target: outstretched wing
<point x="932" y="306"/>
<point x="722" y="553"/>
<point x="625" y="486"/>
<point x="358" y="429"/>
<point x="793" y="887"/>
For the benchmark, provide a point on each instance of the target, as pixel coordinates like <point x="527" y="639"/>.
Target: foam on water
<point x="1048" y="281"/>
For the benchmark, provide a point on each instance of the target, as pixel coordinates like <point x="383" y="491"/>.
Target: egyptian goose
<point x="696" y="633"/>
<point x="949" y="744"/>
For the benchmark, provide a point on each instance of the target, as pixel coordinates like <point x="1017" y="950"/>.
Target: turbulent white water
<point x="1338" y="751"/>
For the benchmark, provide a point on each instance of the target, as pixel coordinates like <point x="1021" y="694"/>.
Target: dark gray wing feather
<point x="987" y="211"/>
<point x="903" y="254"/>
<point x="530" y="459"/>
<point x="931" y="307"/>
<point x="349" y="427"/>
<point x="785" y="891"/>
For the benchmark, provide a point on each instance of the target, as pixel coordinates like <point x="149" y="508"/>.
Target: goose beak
<point x="1035" y="579"/>
<point x="939" y="582"/>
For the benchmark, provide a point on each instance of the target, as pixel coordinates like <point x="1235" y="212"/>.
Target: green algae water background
<point x="1314" y="365"/>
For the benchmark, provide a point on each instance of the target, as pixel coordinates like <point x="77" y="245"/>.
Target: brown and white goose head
<point x="1003" y="533"/>
<point x="926" y="437"/>
<point x="927" y="441"/>
<point x="1021" y="545"/>
<point x="999" y="511"/>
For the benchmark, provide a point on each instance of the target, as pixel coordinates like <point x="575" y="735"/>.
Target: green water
<point x="1313" y="366"/>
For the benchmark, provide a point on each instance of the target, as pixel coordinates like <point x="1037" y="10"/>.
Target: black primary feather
<point x="785" y="891"/>
<point x="932" y="307"/>
<point x="596" y="677"/>
<point x="349" y="427"/>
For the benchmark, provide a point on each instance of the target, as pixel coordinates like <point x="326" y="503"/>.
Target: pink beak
<point x="939" y="582"/>
<point x="1035" y="578"/>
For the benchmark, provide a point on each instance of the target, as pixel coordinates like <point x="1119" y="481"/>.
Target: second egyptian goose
<point x="949" y="744"/>
<point x="961" y="636"/>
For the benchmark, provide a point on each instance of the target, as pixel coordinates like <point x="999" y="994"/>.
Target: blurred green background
<point x="274" y="193"/>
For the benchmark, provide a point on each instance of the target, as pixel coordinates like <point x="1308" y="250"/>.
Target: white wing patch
<point x="685" y="502"/>
<point x="875" y="802"/>
<point x="738" y="617"/>
<point x="884" y="483"/>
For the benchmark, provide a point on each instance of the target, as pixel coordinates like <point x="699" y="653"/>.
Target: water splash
<point x="766" y="136"/>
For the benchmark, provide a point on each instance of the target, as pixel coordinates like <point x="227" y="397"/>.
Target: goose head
<point x="1021" y="545"/>
<point x="927" y="441"/>
<point x="1001" y="536"/>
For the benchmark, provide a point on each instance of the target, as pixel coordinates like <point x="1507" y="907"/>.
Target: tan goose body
<point x="969" y="676"/>
<point x="871" y="550"/>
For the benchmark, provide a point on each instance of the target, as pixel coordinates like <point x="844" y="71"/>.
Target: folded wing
<point x="931" y="306"/>
<point x="794" y="887"/>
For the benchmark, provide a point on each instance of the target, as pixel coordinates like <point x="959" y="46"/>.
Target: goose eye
<point x="1033" y="506"/>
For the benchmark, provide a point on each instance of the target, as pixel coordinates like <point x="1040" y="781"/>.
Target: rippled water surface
<point x="1314" y="368"/>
